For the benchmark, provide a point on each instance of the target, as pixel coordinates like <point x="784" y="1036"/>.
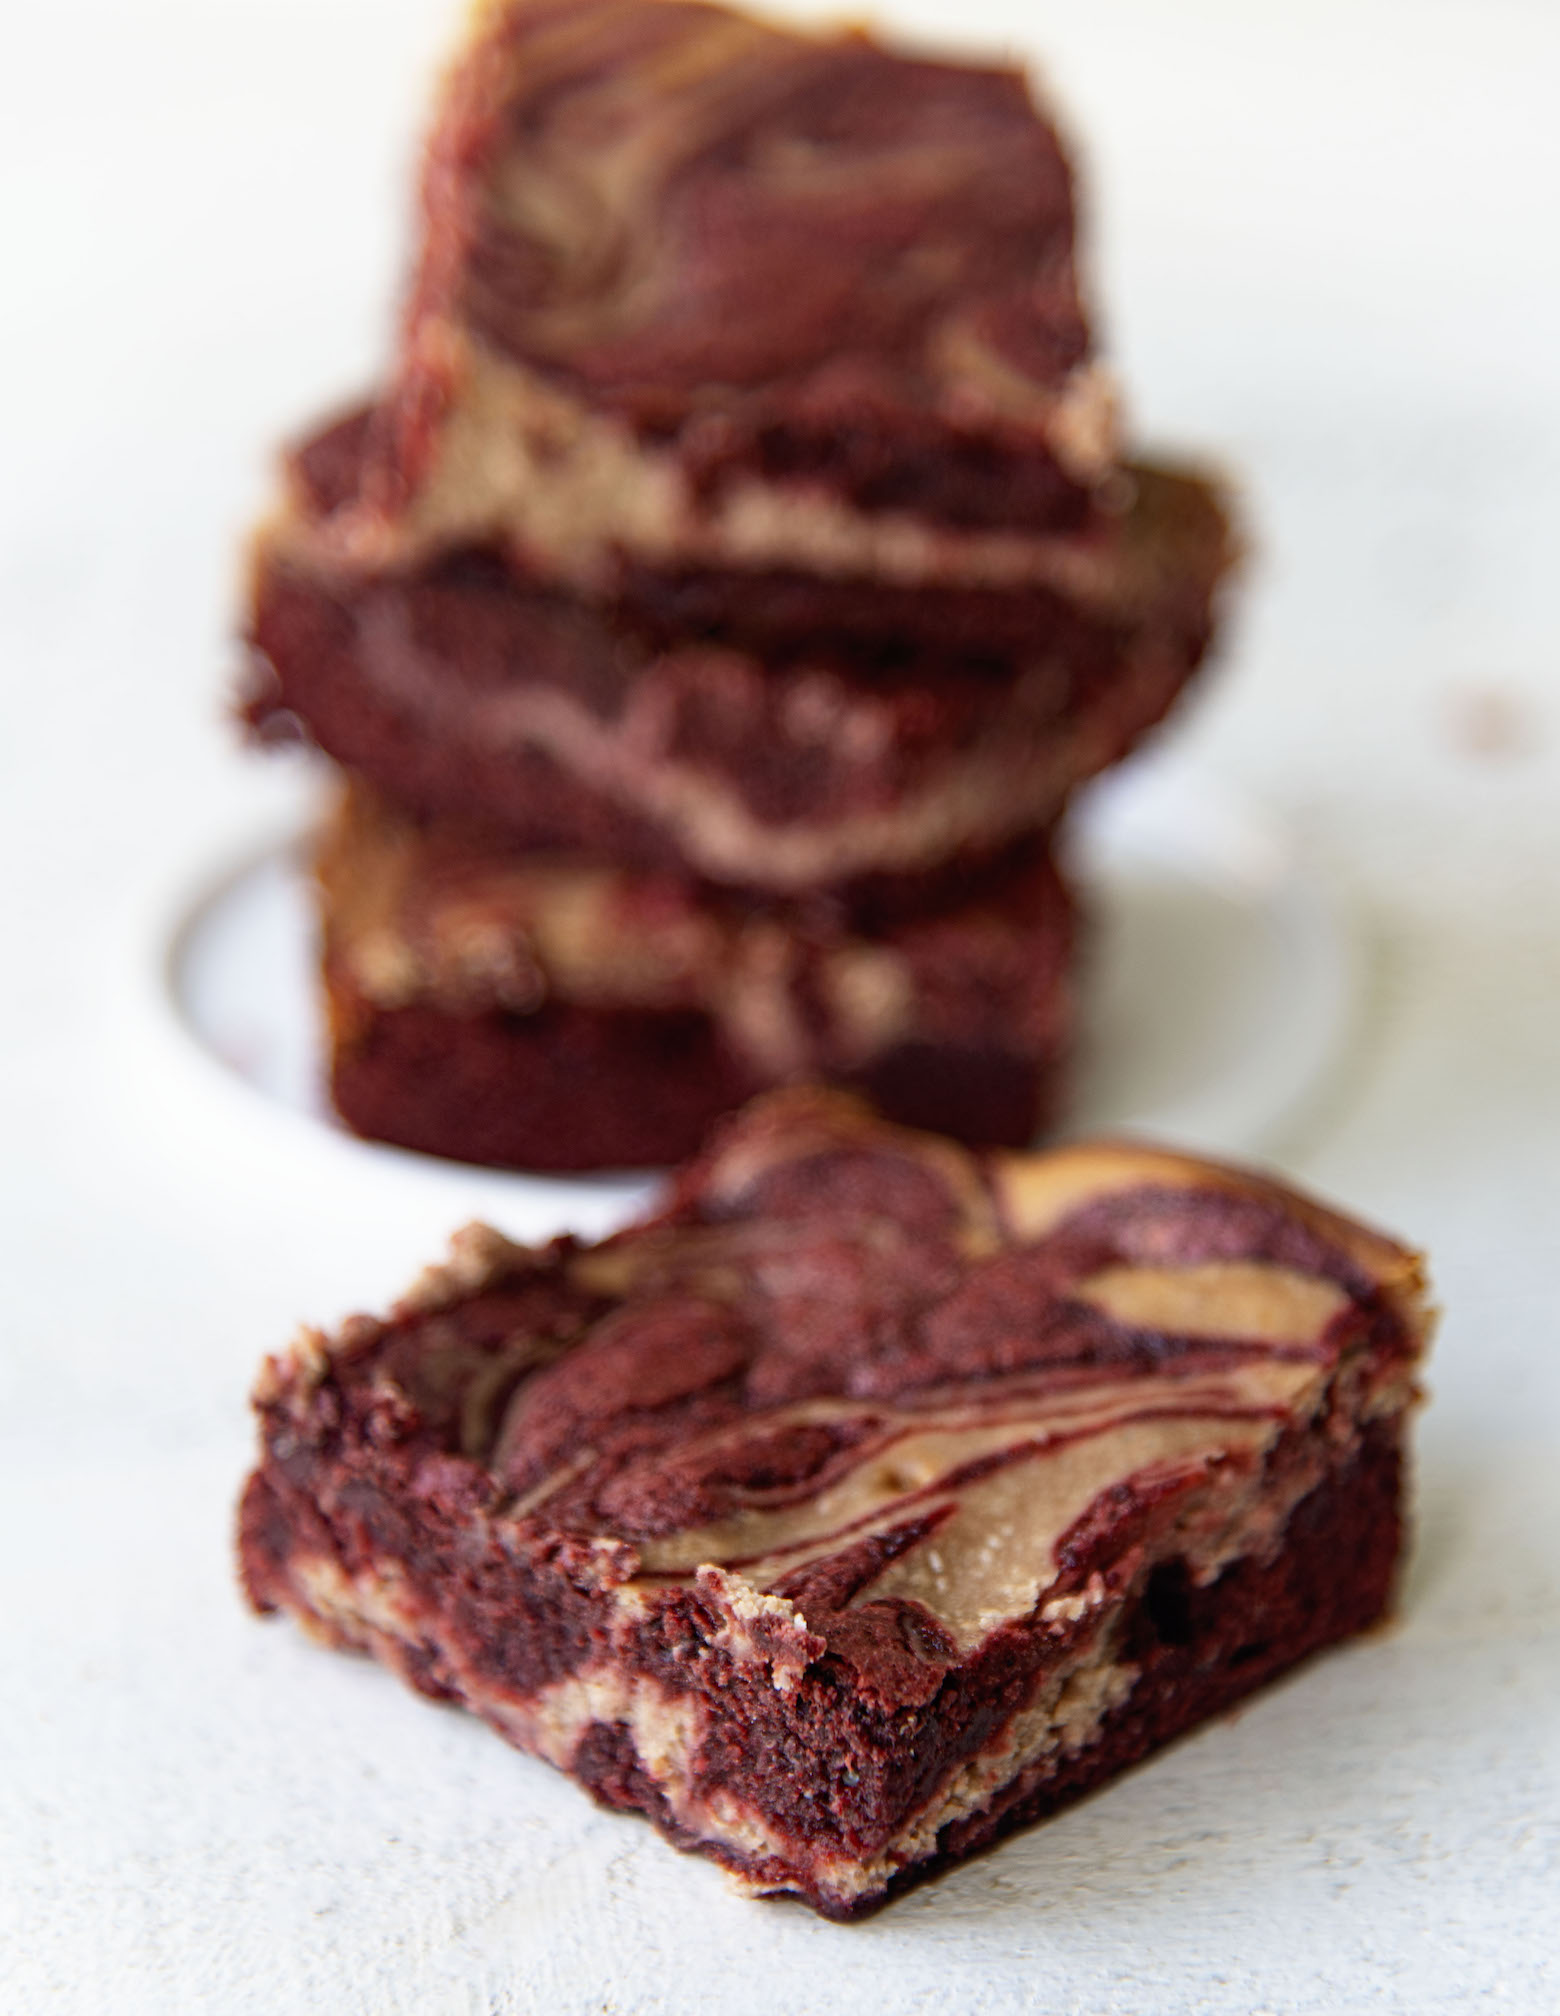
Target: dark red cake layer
<point x="573" y="1089"/>
<point x="672" y="250"/>
<point x="787" y="735"/>
<point x="549" y="1013"/>
<point x="869" y="1500"/>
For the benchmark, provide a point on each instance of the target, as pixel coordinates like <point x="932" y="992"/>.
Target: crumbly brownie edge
<point x="536" y="1012"/>
<point x="1166" y="1656"/>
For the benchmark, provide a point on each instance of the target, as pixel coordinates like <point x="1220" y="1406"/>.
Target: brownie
<point x="552" y="1012"/>
<point x="790" y="736"/>
<point x="872" y="1498"/>
<point x="706" y="289"/>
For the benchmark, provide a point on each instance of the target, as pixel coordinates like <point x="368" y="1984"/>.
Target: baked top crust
<point x="784" y="738"/>
<point x="872" y="1496"/>
<point x="692" y="283"/>
<point x="845" y="1356"/>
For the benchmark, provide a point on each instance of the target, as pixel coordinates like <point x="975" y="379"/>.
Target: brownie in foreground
<point x="873" y="1498"/>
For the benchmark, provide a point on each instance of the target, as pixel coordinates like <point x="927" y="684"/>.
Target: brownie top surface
<point x="439" y="912"/>
<point x="846" y="1363"/>
<point x="656" y="196"/>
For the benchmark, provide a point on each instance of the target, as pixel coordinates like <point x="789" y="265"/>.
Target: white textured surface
<point x="1329" y="249"/>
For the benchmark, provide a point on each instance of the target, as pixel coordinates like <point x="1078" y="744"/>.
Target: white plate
<point x="1221" y="982"/>
<point x="1217" y="981"/>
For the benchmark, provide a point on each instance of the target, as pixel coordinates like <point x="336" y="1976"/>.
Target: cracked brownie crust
<point x="871" y="1498"/>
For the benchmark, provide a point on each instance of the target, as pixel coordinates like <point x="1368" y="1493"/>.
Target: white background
<point x="1326" y="236"/>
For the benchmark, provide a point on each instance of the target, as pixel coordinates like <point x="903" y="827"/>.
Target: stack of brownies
<point x="714" y="613"/>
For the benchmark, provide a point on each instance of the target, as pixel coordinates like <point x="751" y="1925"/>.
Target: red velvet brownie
<point x="870" y="1500"/>
<point x="547" y="1012"/>
<point x="707" y="290"/>
<point x="792" y="737"/>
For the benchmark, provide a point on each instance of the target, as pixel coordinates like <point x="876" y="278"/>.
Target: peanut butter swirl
<point x="692" y="285"/>
<point x="856" y="1371"/>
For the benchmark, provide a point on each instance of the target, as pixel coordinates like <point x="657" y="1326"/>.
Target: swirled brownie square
<point x="705" y="290"/>
<point x="787" y="733"/>
<point x="872" y="1498"/>
<point x="552" y="1012"/>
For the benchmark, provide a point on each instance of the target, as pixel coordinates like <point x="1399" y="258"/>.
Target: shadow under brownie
<point x="870" y="1499"/>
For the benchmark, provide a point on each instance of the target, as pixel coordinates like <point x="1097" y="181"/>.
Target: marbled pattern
<point x="864" y="1446"/>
